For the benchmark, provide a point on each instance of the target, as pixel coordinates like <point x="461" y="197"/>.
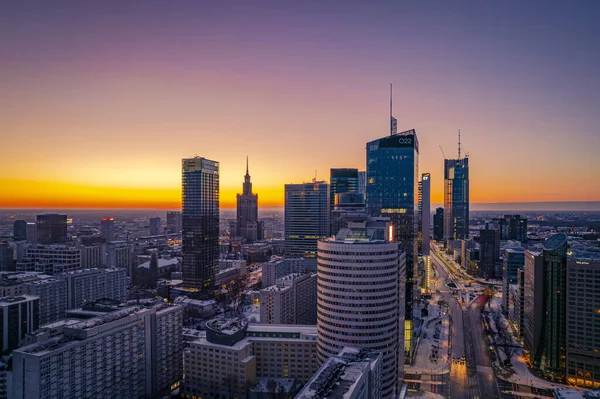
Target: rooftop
<point x="16" y="299"/>
<point x="161" y="263"/>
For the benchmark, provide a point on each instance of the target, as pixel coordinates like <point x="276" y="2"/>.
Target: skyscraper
<point x="107" y="228"/>
<point x="174" y="221"/>
<point x="200" y="222"/>
<point x="349" y="283"/>
<point x="247" y="224"/>
<point x="306" y="220"/>
<point x="438" y="225"/>
<point x="489" y="241"/>
<point x="51" y="228"/>
<point x="424" y="213"/>
<point x="583" y="323"/>
<point x="362" y="182"/>
<point x="392" y="177"/>
<point x="20" y="230"/>
<point x="341" y="180"/>
<point x="155" y="226"/>
<point x="534" y="300"/>
<point x="550" y="356"/>
<point x="456" y="197"/>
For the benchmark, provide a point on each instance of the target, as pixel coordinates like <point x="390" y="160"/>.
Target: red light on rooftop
<point x="105" y="219"/>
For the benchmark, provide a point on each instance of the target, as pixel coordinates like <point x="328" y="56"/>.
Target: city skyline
<point x="125" y="95"/>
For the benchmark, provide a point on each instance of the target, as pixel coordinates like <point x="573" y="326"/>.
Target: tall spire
<point x="458" y="143"/>
<point x="393" y="121"/>
<point x="247" y="165"/>
<point x="247" y="186"/>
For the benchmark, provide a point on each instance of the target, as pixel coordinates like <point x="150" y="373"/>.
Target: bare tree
<point x="504" y="339"/>
<point x="272" y="386"/>
<point x="230" y="385"/>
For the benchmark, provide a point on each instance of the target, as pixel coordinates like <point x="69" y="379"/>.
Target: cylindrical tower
<point x="358" y="297"/>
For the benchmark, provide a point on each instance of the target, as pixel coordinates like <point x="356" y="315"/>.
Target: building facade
<point x="247" y="224"/>
<point x="200" y="222"/>
<point x="51" y="228"/>
<point x="424" y="213"/>
<point x="50" y="259"/>
<point x="130" y="352"/>
<point x="489" y="252"/>
<point x="155" y="226"/>
<point x="533" y="269"/>
<point x="438" y="225"/>
<point x="306" y="220"/>
<point x="513" y="261"/>
<point x="107" y="229"/>
<point x="361" y="268"/>
<point x="550" y="357"/>
<point x="392" y="191"/>
<point x="583" y="323"/>
<point x="18" y="316"/>
<point x="174" y="221"/>
<point x="292" y="300"/>
<point x="20" y="230"/>
<point x="456" y="199"/>
<point x="341" y="180"/>
<point x="52" y="294"/>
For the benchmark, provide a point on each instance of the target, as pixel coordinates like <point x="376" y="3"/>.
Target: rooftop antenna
<point x="246" y="164"/>
<point x="458" y="143"/>
<point x="442" y="152"/>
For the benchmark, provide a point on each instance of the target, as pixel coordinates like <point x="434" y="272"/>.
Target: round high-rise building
<point x="359" y="299"/>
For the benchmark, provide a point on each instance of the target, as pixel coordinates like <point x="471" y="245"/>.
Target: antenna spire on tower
<point x="458" y="143"/>
<point x="393" y="121"/>
<point x="246" y="164"/>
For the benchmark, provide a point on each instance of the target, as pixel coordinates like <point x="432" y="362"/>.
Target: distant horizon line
<point x="481" y="206"/>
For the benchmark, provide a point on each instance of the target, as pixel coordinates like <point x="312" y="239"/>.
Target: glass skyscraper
<point x="341" y="180"/>
<point x="392" y="185"/>
<point x="550" y="356"/>
<point x="456" y="199"/>
<point x="306" y="220"/>
<point x="200" y="222"/>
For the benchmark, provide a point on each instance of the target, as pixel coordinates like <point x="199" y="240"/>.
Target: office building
<point x="347" y="206"/>
<point x="489" y="255"/>
<point x="362" y="183"/>
<point x="533" y="269"/>
<point x="107" y="229"/>
<point x="362" y="268"/>
<point x="89" y="285"/>
<point x="513" y="261"/>
<point x="456" y="198"/>
<point x="155" y="226"/>
<point x="512" y="227"/>
<point x="93" y="256"/>
<point x="278" y="267"/>
<point x="424" y="213"/>
<point x="352" y="373"/>
<point x="120" y="254"/>
<point x="7" y="252"/>
<point x="52" y="294"/>
<point x="292" y="300"/>
<point x="438" y="225"/>
<point x="110" y="352"/>
<point x="51" y="229"/>
<point x="18" y="316"/>
<point x="32" y="233"/>
<point x="247" y="224"/>
<point x="20" y="230"/>
<point x="306" y="220"/>
<point x="583" y="323"/>
<point x="50" y="259"/>
<point x="550" y="356"/>
<point x="174" y="221"/>
<point x="341" y="180"/>
<point x="392" y="185"/>
<point x="229" y="357"/>
<point x="466" y="245"/>
<point x="200" y="222"/>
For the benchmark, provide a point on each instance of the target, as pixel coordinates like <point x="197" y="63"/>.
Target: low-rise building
<point x="18" y="317"/>
<point x="292" y="300"/>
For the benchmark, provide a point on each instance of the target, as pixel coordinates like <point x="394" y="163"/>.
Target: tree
<point x="504" y="339"/>
<point x="272" y="386"/>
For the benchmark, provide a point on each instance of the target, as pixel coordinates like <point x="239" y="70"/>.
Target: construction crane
<point x="442" y="151"/>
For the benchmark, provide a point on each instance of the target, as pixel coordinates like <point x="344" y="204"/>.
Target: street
<point x="476" y="378"/>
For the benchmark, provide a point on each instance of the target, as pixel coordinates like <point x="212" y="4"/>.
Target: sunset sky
<point x="99" y="101"/>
